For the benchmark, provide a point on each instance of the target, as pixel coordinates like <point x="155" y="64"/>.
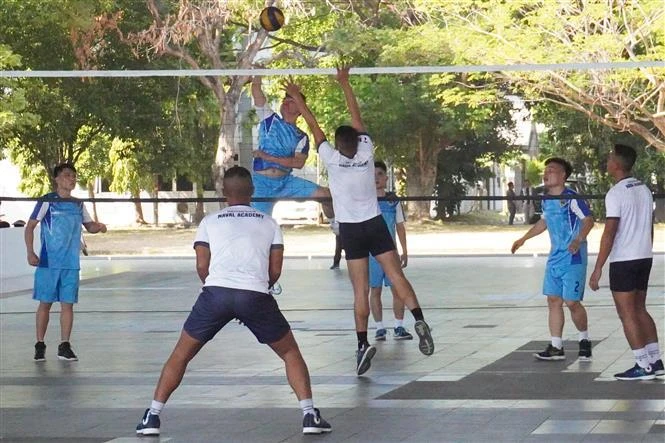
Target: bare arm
<point x="587" y="225"/>
<point x="257" y="93"/>
<point x="295" y="162"/>
<point x="400" y="228"/>
<point x="275" y="264"/>
<point x="294" y="91"/>
<point x="606" y="243"/>
<point x="537" y="229"/>
<point x="351" y="102"/>
<point x="202" y="261"/>
<point x="29" y="236"/>
<point x="95" y="227"/>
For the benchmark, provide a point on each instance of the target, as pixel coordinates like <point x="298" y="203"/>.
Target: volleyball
<point x="271" y="18"/>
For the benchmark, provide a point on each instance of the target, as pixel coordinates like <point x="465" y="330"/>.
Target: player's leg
<point x="68" y="291"/>
<point x="375" y="281"/>
<point x="209" y="314"/>
<point x="45" y="291"/>
<point x="300" y="187"/>
<point x="399" y="332"/>
<point x="645" y="321"/>
<point x="265" y="187"/>
<point x="573" y="293"/>
<point x="553" y="288"/>
<point x="383" y="249"/>
<point x="623" y="284"/>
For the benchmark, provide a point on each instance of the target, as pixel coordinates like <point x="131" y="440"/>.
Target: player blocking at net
<point x="363" y="231"/>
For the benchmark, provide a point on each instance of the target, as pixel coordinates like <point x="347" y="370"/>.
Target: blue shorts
<point x="377" y="277"/>
<point x="285" y="186"/>
<point x="56" y="285"/>
<point x="216" y="306"/>
<point x="567" y="282"/>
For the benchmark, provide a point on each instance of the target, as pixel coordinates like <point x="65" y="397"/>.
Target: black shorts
<point x="365" y="238"/>
<point x="631" y="275"/>
<point x="216" y="306"/>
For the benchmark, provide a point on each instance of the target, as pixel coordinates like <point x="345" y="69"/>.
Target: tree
<point x="538" y="31"/>
<point x="12" y="97"/>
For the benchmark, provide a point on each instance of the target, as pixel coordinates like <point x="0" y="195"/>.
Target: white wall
<point x="13" y="256"/>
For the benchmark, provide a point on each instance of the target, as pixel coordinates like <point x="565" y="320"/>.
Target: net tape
<point x="571" y="66"/>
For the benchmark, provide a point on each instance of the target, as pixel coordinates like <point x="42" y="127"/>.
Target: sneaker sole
<point x="366" y="361"/>
<point x="317" y="431"/>
<point x="426" y="344"/>
<point x="552" y="358"/>
<point x="60" y="357"/>
<point x="660" y="373"/>
<point x="642" y="377"/>
<point x="403" y="338"/>
<point x="40" y="359"/>
<point x="148" y="431"/>
<point x="581" y="358"/>
<point x="380" y="338"/>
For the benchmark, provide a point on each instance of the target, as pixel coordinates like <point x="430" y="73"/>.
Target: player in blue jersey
<point x="282" y="148"/>
<point x="58" y="263"/>
<point x="392" y="213"/>
<point x="568" y="222"/>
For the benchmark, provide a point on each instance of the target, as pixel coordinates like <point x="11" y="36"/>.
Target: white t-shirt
<point x="351" y="181"/>
<point x="632" y="203"/>
<point x="240" y="239"/>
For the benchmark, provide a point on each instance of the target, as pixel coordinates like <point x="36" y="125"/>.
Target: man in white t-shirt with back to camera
<point x="628" y="242"/>
<point x="239" y="254"/>
<point x="363" y="231"/>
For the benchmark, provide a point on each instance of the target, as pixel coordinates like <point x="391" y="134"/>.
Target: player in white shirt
<point x="363" y="231"/>
<point x="628" y="243"/>
<point x="239" y="253"/>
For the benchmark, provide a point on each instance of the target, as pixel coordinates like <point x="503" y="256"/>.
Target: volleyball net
<point x="449" y="149"/>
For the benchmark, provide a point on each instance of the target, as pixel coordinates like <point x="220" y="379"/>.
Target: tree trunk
<point x="226" y="155"/>
<point x="199" y="212"/>
<point x="91" y="194"/>
<point x="155" y="205"/>
<point x="420" y="182"/>
<point x="138" y="209"/>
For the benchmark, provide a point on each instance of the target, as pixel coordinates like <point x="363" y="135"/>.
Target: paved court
<point x="481" y="384"/>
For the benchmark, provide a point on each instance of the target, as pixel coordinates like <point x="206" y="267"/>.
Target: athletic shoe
<point x="426" y="344"/>
<point x="65" y="352"/>
<point x="400" y="333"/>
<point x="380" y="335"/>
<point x="585" y="350"/>
<point x="658" y="368"/>
<point x="149" y="424"/>
<point x="551" y="353"/>
<point x="335" y="266"/>
<point x="636" y="373"/>
<point x="364" y="358"/>
<point x="40" y="351"/>
<point x="315" y="424"/>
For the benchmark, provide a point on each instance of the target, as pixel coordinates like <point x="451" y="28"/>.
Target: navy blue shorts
<point x="216" y="306"/>
<point x="365" y="238"/>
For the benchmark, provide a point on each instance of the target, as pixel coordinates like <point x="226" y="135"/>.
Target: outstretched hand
<point x="293" y="91"/>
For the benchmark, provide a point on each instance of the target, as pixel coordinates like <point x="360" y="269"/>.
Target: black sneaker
<point x="636" y="373"/>
<point x="551" y="353"/>
<point x="585" y="350"/>
<point x="364" y="358"/>
<point x="65" y="352"/>
<point x="40" y="351"/>
<point x="315" y="424"/>
<point x="149" y="424"/>
<point x="426" y="344"/>
<point x="658" y="368"/>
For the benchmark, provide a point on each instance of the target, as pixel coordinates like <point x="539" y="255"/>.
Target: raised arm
<point x="351" y="102"/>
<point x="294" y="92"/>
<point x="257" y="93"/>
